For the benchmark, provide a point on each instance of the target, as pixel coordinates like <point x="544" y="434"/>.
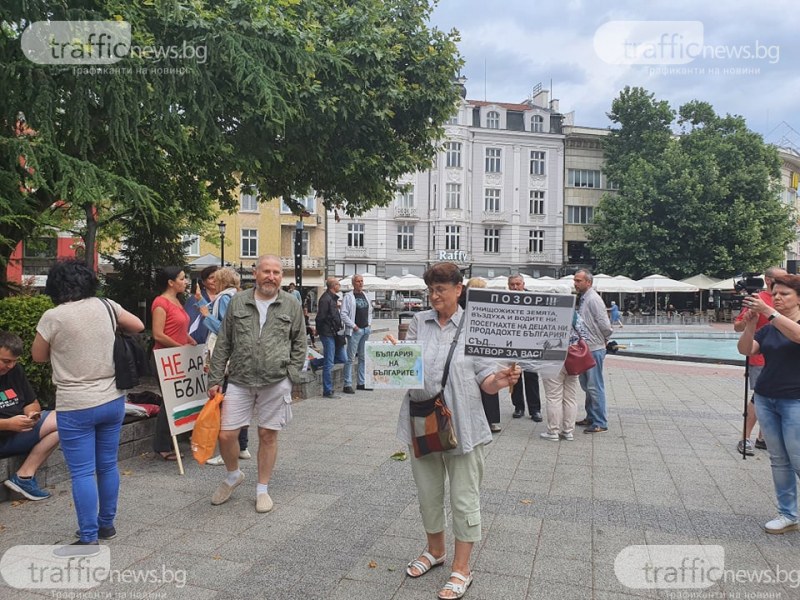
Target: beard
<point x="267" y="289"/>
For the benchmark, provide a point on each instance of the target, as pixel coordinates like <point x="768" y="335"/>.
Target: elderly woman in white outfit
<point x="463" y="465"/>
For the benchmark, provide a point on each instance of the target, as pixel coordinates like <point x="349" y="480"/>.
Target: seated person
<point x="24" y="428"/>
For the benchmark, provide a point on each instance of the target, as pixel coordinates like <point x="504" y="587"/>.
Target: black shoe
<point x="537" y="416"/>
<point x="361" y="386"/>
<point x="761" y="444"/>
<point x="332" y="396"/>
<point x="518" y="414"/>
<point x="103" y="533"/>
<point x="584" y="422"/>
<point x="77" y="549"/>
<point x="595" y="429"/>
<point x="348" y="389"/>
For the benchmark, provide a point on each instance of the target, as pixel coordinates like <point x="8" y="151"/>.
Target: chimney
<point x="540" y="98"/>
<point x="554" y="104"/>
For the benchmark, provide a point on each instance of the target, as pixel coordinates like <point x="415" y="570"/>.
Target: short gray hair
<point x="587" y="273"/>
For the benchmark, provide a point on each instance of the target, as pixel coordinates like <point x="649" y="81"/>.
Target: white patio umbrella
<point x="727" y="284"/>
<point x="704" y="282"/>
<point x="372" y="283"/>
<point x="623" y="285"/>
<point x="659" y="283"/>
<point x="410" y="283"/>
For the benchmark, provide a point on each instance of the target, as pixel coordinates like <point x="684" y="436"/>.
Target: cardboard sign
<point x="531" y="328"/>
<point x="184" y="384"/>
<point x="394" y="366"/>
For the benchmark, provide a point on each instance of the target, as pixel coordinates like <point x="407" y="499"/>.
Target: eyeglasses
<point x="440" y="289"/>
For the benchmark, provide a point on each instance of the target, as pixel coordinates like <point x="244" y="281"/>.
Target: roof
<point x="506" y="105"/>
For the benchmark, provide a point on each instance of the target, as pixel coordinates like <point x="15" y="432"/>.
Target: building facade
<point x="491" y="202"/>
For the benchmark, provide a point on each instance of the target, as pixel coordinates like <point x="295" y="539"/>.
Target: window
<point x="406" y="199"/>
<point x="583" y="178"/>
<point x="40" y="247"/>
<point x="612" y="185"/>
<point x="537" y="123"/>
<point x="452" y="237"/>
<point x="453" y="195"/>
<point x="304" y="242"/>
<point x="248" y="199"/>
<point x="493" y="119"/>
<point x="355" y="235"/>
<point x="536" y="202"/>
<point x="491" y="241"/>
<point x="453" y="120"/>
<point x="309" y="203"/>
<point x="453" y="154"/>
<point x="491" y="200"/>
<point x="191" y="244"/>
<point x="405" y="237"/>
<point x="249" y="243"/>
<point x="493" y="156"/>
<point x="580" y="215"/>
<point x="537" y="162"/>
<point x="536" y="241"/>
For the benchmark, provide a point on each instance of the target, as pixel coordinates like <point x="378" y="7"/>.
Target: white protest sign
<point x="531" y="328"/>
<point x="394" y="366"/>
<point x="184" y="384"/>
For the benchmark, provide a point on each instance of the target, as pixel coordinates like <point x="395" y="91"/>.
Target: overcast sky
<point x="582" y="46"/>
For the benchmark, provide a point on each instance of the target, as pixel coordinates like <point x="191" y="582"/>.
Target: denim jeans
<point x="595" y="388"/>
<point x="90" y="443"/>
<point x="332" y="355"/>
<point x="780" y="425"/>
<point x="355" y="345"/>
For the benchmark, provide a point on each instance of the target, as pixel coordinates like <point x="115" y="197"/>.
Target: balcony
<point x="356" y="252"/>
<point x="309" y="262"/>
<point x="545" y="258"/>
<point x="406" y="212"/>
<point x="494" y="217"/>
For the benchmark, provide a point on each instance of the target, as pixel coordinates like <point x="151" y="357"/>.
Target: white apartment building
<point x="492" y="201"/>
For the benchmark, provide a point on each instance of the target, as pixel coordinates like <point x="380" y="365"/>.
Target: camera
<point x="749" y="283"/>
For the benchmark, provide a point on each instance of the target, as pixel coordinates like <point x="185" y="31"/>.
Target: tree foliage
<point x="704" y="201"/>
<point x="339" y="96"/>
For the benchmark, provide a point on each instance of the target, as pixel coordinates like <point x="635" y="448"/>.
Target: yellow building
<point x="267" y="228"/>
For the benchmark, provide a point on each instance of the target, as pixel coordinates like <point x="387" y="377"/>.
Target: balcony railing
<point x="309" y="262"/>
<point x="355" y="252"/>
<point x="494" y="217"/>
<point x="541" y="257"/>
<point x="406" y="212"/>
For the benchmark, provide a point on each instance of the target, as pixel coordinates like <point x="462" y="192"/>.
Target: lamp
<point x="298" y="255"/>
<point x="221" y="226"/>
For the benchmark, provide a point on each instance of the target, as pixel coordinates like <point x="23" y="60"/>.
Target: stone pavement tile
<point x="660" y="538"/>
<point x="565" y="540"/>
<point x="403" y="548"/>
<point x="208" y="573"/>
<point x="198" y="542"/>
<point x="386" y="570"/>
<point x="349" y="590"/>
<point x="742" y="555"/>
<point x="605" y="579"/>
<point x="603" y="595"/>
<point x="563" y="570"/>
<point x="514" y="525"/>
<point x="514" y="564"/>
<point x="314" y="501"/>
<point x="490" y="586"/>
<point x="123" y="555"/>
<point x="608" y="542"/>
<point x="150" y="536"/>
<point x="782" y="555"/>
<point x="546" y="590"/>
<point x="186" y="592"/>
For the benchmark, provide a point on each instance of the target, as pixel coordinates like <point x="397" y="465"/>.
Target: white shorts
<point x="270" y="404"/>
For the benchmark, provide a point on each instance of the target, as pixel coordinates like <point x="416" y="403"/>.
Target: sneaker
<point x="245" y="454"/>
<point x="363" y="387"/>
<point x="348" y="389"/>
<point x="263" y="503"/>
<point x="332" y="396"/>
<point x="224" y="491"/>
<point x="27" y="487"/>
<point x="77" y="549"/>
<point x="761" y="444"/>
<point x="553" y="437"/>
<point x="780" y="524"/>
<point x="566" y="436"/>
<point x="495" y="427"/>
<point x="595" y="429"/>
<point x="745" y="447"/>
<point x="103" y="533"/>
<point x="215" y="461"/>
<point x="584" y="422"/>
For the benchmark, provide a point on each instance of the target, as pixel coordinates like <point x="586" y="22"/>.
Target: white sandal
<point x="459" y="589"/>
<point x="422" y="567"/>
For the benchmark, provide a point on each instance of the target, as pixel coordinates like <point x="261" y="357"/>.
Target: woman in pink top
<point x="170" y="329"/>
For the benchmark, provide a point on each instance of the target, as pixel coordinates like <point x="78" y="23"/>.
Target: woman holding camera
<point x="777" y="391"/>
<point x="463" y="466"/>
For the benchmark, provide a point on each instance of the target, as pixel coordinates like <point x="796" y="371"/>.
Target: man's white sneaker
<point x="263" y="503"/>
<point x="245" y="454"/>
<point x="566" y="436"/>
<point x="553" y="437"/>
<point x="780" y="524"/>
<point x="215" y="461"/>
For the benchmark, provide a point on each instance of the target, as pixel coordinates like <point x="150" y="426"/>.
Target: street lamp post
<point x="298" y="256"/>
<point x="221" y="226"/>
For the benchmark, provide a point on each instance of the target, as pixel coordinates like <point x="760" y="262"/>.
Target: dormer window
<point x="537" y="124"/>
<point x="493" y="119"/>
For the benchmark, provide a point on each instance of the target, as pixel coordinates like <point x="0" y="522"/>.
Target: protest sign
<point x="531" y="328"/>
<point x="184" y="386"/>
<point x="394" y="366"/>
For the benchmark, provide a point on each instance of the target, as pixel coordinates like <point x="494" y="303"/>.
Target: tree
<point x="342" y="97"/>
<point x="705" y="201"/>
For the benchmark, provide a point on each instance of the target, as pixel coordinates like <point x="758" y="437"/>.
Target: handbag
<point x="340" y="339"/>
<point x="431" y="420"/>
<point x="579" y="357"/>
<point x="207" y="426"/>
<point x="129" y="359"/>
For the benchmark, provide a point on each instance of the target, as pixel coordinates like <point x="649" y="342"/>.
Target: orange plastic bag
<point x="206" y="429"/>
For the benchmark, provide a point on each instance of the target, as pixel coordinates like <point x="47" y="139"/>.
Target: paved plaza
<point x="555" y="515"/>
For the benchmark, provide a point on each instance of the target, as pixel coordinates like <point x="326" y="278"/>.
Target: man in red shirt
<point x="756" y="363"/>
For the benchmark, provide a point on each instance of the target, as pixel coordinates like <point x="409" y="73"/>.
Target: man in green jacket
<point x="262" y="343"/>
